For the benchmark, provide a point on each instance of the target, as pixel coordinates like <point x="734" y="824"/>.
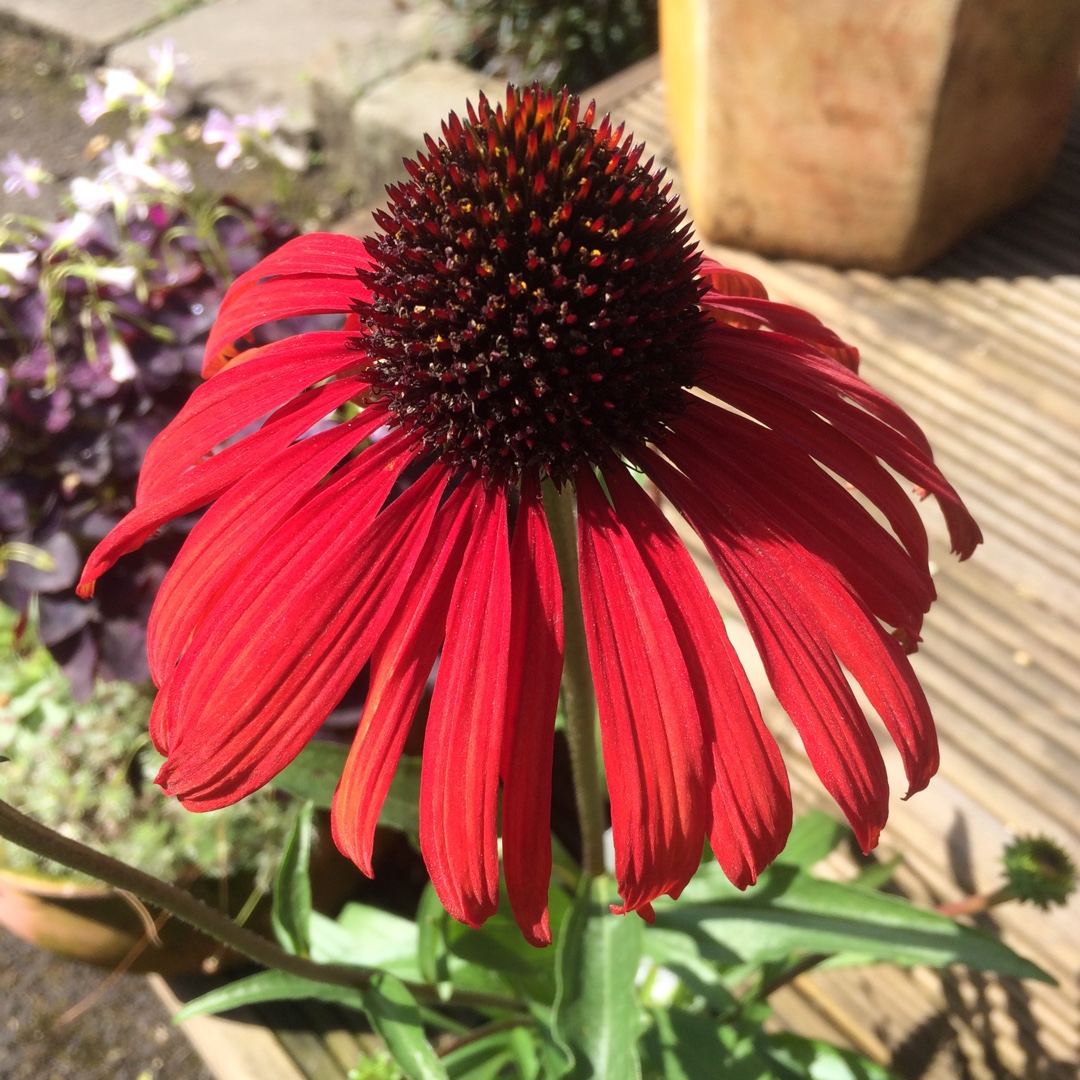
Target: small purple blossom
<point x="16" y="268"/>
<point x="220" y="128"/>
<point x="94" y="106"/>
<point x="263" y="122"/>
<point x="22" y="175"/>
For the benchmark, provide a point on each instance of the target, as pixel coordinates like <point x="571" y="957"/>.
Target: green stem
<point x="27" y="833"/>
<point x="579" y="696"/>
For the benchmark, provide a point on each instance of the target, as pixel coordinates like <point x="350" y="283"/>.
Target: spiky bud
<point x="1039" y="871"/>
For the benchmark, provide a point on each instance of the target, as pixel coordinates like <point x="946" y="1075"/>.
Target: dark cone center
<point x="535" y="301"/>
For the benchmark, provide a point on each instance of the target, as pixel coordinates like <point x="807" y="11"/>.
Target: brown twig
<point x="27" y="833"/>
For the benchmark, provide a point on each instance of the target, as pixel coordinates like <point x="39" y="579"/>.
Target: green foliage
<point x="596" y="1017"/>
<point x="86" y="769"/>
<point x="684" y="999"/>
<point x="561" y="43"/>
<point x="314" y="774"/>
<point x="291" y="910"/>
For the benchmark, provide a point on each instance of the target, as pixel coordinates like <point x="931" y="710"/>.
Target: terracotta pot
<point x="873" y="133"/>
<point x="95" y="924"/>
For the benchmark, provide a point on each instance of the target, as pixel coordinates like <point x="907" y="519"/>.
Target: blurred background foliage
<point x="571" y="44"/>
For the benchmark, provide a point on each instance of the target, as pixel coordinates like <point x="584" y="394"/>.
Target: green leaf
<point x="526" y="1053"/>
<point x="878" y="874"/>
<point x="314" y="773"/>
<point x="596" y="1012"/>
<point x="268" y="986"/>
<point x="681" y="1046"/>
<point x="790" y="913"/>
<point x="499" y="947"/>
<point x="367" y="937"/>
<point x="483" y="1059"/>
<point x="679" y="953"/>
<point x="813" y="836"/>
<point x="400" y="809"/>
<point x="396" y="1019"/>
<point x="432" y="953"/>
<point x="794" y="1056"/>
<point x="291" y="910"/>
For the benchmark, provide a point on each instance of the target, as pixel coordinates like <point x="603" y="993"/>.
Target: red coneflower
<point x="533" y="323"/>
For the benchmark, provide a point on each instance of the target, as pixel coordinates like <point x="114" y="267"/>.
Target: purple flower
<point x="21" y="175"/>
<point x="220" y="128"/>
<point x="94" y="105"/>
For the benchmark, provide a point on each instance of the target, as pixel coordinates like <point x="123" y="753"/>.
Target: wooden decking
<point x="983" y="349"/>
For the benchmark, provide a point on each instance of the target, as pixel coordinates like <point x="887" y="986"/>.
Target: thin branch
<point x="27" y="833"/>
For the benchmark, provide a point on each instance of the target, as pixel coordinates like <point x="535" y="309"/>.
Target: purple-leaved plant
<point x="103" y="317"/>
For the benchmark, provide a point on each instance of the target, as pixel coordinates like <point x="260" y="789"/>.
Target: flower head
<point x="534" y="317"/>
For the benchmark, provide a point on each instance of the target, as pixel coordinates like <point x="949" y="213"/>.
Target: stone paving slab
<point x="92" y="25"/>
<point x="246" y="53"/>
<point x="367" y="139"/>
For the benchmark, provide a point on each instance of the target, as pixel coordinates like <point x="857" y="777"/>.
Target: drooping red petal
<point x="790" y="505"/>
<point x="741" y="300"/>
<point x="809" y="505"/>
<point x="241" y="522"/>
<point x="787" y="367"/>
<point x="725" y="282"/>
<point x="459" y="779"/>
<point x="532" y="700"/>
<point x="649" y="723"/>
<point x="313" y="274"/>
<point x="209" y="478"/>
<point x="803" y="670"/>
<point x="882" y="669"/>
<point x="225" y="404"/>
<point x="751" y="801"/>
<point x="400" y="667"/>
<point x="287" y="640"/>
<point x="833" y="448"/>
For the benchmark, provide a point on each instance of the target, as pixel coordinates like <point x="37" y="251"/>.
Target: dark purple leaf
<point x="62" y="615"/>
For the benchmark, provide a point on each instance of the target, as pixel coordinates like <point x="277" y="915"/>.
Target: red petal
<point x="727" y="282"/>
<point x="778" y="492"/>
<point x="459" y="780"/>
<point x="287" y="640"/>
<point x="649" y="722"/>
<point x="881" y="668"/>
<point x="221" y="407"/>
<point x="207" y="480"/>
<point x="829" y="445"/>
<point x="807" y="504"/>
<point x="240" y="524"/>
<point x="313" y="274"/>
<point x="532" y="700"/>
<point x="741" y="300"/>
<point x="784" y="366"/>
<point x="751" y="801"/>
<point x="771" y="593"/>
<point x="400" y="667"/>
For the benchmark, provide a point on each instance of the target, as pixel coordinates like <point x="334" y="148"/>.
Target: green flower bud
<point x="1039" y="871"/>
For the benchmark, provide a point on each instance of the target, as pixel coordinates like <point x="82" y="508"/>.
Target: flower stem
<point x="974" y="905"/>
<point x="35" y="837"/>
<point x="579" y="696"/>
